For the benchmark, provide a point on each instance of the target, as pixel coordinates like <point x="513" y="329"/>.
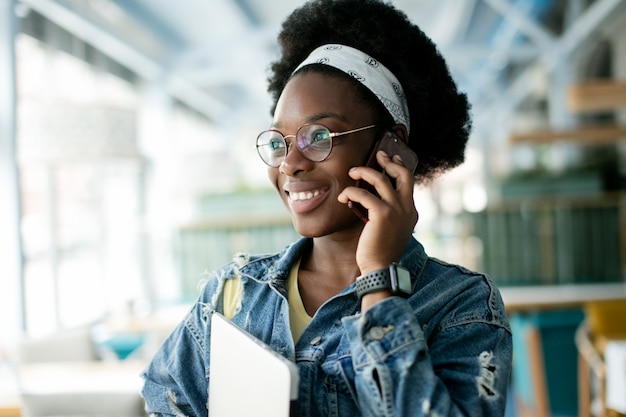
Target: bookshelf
<point x="562" y="230"/>
<point x="596" y="96"/>
<point x="559" y="240"/>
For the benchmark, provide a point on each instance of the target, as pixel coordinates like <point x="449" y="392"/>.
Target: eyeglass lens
<point x="313" y="141"/>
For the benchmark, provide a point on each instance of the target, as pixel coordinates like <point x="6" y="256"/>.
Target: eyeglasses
<point x="314" y="141"/>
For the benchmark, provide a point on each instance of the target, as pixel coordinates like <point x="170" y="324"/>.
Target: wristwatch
<point x="394" y="278"/>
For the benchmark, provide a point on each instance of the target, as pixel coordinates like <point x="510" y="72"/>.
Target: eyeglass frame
<point x="288" y="144"/>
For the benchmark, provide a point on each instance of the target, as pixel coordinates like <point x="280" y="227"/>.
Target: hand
<point x="392" y="216"/>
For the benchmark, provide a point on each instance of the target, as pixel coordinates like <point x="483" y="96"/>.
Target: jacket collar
<point x="278" y="266"/>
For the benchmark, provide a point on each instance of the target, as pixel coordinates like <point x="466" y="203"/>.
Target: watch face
<point x="404" y="280"/>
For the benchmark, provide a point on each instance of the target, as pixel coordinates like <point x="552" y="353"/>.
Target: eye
<point x="319" y="136"/>
<point x="275" y="143"/>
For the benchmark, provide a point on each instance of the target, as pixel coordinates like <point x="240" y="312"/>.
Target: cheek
<point x="353" y="157"/>
<point x="274" y="176"/>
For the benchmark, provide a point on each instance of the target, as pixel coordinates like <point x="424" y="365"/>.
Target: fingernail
<point x="397" y="158"/>
<point x="384" y="153"/>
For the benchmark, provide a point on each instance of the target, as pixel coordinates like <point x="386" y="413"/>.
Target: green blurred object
<point x="557" y="330"/>
<point x="123" y="344"/>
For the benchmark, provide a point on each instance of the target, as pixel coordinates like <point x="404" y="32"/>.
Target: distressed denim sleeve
<point x="176" y="379"/>
<point x="464" y="372"/>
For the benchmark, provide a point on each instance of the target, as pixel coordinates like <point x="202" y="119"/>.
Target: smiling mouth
<point x="304" y="195"/>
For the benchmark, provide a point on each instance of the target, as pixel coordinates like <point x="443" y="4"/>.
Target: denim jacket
<point x="445" y="351"/>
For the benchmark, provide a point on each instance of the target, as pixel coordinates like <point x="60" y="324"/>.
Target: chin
<point x="317" y="227"/>
<point x="306" y="229"/>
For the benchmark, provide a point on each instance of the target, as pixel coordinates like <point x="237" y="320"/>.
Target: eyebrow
<point x="316" y="117"/>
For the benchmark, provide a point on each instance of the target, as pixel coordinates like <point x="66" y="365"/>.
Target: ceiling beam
<point x="62" y="14"/>
<point x="248" y="12"/>
<point x="446" y="21"/>
<point x="141" y="12"/>
<point x="537" y="34"/>
<point x="499" y="109"/>
<point x="484" y="79"/>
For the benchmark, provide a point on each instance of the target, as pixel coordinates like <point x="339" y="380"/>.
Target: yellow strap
<point x="298" y="317"/>
<point x="233" y="294"/>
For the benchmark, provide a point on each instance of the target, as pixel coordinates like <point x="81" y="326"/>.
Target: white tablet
<point x="247" y="377"/>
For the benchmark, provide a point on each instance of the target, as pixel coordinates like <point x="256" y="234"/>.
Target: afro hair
<point x="440" y="121"/>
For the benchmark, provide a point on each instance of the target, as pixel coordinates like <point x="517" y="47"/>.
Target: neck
<point x="332" y="261"/>
<point x="328" y="268"/>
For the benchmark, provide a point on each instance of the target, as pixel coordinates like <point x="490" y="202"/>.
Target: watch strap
<point x="374" y="281"/>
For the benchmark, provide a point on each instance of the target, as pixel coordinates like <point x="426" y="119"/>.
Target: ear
<point x="401" y="132"/>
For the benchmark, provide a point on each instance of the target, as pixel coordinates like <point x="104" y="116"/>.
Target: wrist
<point x="368" y="300"/>
<point x="390" y="280"/>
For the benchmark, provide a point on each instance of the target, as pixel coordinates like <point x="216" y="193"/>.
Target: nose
<point x="294" y="162"/>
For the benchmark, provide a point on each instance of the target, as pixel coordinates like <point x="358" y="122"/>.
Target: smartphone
<point x="392" y="145"/>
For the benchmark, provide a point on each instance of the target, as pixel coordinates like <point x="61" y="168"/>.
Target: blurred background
<point x="128" y="169"/>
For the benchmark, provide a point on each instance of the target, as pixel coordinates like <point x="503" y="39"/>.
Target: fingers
<point x="394" y="185"/>
<point x="395" y="170"/>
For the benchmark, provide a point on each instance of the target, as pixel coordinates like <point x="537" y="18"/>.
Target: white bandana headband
<point x="369" y="72"/>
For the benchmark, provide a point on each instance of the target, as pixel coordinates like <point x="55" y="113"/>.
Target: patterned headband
<point x="369" y="72"/>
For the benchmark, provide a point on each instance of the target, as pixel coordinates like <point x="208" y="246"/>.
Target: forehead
<point x="309" y="93"/>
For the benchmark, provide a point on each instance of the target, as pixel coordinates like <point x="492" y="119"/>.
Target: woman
<point x="352" y="72"/>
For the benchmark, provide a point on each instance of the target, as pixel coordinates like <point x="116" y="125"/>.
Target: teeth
<point x="304" y="195"/>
